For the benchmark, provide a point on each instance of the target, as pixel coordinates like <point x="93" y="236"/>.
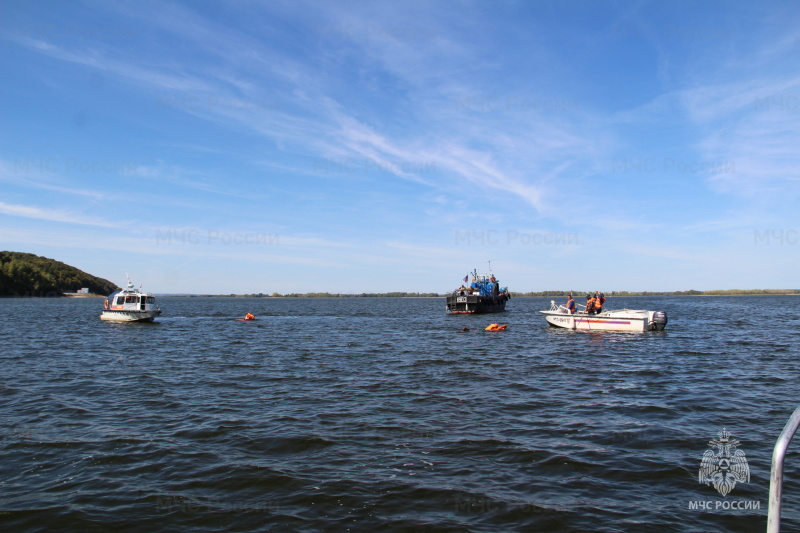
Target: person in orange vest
<point x="589" y="304"/>
<point x="600" y="300"/>
<point x="598" y="303"/>
<point x="570" y="305"/>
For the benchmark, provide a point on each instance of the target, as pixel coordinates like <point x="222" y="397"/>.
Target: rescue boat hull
<point x="112" y="315"/>
<point x="618" y="320"/>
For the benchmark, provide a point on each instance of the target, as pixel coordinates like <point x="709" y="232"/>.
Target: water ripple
<point x="382" y="415"/>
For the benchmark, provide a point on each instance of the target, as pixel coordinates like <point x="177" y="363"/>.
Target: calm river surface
<point x="381" y="415"/>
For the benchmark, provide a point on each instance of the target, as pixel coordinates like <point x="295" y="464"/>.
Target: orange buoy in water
<point x="496" y="327"/>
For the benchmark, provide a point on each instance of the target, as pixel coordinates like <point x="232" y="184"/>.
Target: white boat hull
<point x="129" y="315"/>
<point x="621" y="320"/>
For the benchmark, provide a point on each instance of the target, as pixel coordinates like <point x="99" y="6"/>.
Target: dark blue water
<point x="381" y="415"/>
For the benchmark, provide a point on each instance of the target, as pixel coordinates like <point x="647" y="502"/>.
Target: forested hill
<point x="24" y="274"/>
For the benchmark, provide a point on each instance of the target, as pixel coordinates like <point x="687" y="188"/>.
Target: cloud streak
<point x="54" y="215"/>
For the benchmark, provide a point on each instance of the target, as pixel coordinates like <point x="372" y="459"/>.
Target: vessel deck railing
<point x="776" y="477"/>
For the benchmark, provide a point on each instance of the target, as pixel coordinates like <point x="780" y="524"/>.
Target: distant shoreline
<point x="547" y="294"/>
<point x="789" y="292"/>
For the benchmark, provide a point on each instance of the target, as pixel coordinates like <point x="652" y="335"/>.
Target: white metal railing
<point x="776" y="477"/>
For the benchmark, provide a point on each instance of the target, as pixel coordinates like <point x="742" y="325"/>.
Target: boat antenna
<point x="490" y="265"/>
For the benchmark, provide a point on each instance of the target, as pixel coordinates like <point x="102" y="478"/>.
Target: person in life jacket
<point x="570" y="305"/>
<point x="598" y="303"/>
<point x="249" y="316"/>
<point x="589" y="304"/>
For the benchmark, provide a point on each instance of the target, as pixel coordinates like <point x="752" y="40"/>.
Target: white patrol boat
<point x="621" y="320"/>
<point x="130" y="305"/>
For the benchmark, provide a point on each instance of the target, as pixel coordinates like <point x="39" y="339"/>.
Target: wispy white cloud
<point x="55" y="215"/>
<point x="36" y="179"/>
<point x="467" y="128"/>
<point x="326" y="127"/>
<point x="189" y="179"/>
<point x="753" y="132"/>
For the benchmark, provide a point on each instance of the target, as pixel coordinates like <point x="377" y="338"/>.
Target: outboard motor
<point x="659" y="320"/>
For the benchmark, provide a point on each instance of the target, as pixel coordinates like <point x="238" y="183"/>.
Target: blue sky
<point x="239" y="147"/>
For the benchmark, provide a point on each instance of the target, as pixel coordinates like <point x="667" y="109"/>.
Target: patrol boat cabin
<point x="130" y="305"/>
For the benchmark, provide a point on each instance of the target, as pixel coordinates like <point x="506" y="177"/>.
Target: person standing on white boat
<point x="589" y="304"/>
<point x="570" y="305"/>
<point x="599" y="300"/>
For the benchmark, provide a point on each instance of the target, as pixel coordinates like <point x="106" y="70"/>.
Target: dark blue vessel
<point x="484" y="295"/>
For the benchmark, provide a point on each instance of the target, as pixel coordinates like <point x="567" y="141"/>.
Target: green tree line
<point x="24" y="274"/>
<point x="727" y="292"/>
<point x="338" y="295"/>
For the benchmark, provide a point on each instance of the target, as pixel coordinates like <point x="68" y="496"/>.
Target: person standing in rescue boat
<point x="598" y="303"/>
<point x="589" y="304"/>
<point x="570" y="305"/>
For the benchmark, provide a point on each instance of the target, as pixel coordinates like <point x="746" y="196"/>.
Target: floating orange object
<point x="248" y="316"/>
<point x="496" y="327"/>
